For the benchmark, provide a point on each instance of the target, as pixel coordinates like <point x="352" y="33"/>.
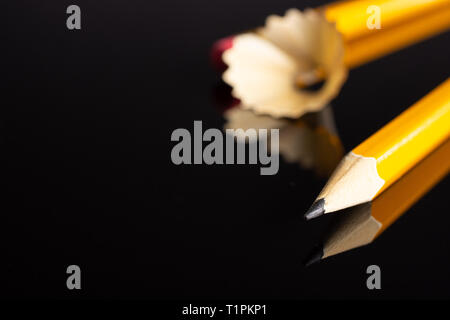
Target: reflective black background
<point x="87" y="117"/>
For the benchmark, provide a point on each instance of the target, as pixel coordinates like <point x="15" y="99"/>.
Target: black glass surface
<point x="87" y="118"/>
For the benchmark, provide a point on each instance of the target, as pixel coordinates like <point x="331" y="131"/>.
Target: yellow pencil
<point x="388" y="154"/>
<point x="271" y="67"/>
<point x="402" y="22"/>
<point x="362" y="224"/>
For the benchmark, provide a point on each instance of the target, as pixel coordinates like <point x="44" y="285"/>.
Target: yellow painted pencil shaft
<point x="351" y="16"/>
<point x="402" y="22"/>
<point x="398" y="198"/>
<point x="386" y="41"/>
<point x="407" y="139"/>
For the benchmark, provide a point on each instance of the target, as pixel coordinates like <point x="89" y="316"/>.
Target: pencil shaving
<point x="268" y="68"/>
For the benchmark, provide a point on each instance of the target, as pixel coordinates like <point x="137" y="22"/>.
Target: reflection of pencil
<point x="362" y="224"/>
<point x="388" y="154"/>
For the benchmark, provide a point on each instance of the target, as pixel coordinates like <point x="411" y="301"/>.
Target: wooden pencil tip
<point x="316" y="210"/>
<point x="315" y="256"/>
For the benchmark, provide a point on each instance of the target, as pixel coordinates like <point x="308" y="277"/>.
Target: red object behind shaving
<point x="217" y="49"/>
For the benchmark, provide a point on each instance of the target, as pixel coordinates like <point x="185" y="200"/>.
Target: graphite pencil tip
<point x="315" y="256"/>
<point x="316" y="210"/>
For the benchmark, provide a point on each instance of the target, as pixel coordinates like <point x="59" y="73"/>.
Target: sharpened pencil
<point x="388" y="154"/>
<point x="362" y="224"/>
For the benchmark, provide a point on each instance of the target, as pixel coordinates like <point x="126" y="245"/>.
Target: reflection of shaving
<point x="268" y="68"/>
<point x="311" y="141"/>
